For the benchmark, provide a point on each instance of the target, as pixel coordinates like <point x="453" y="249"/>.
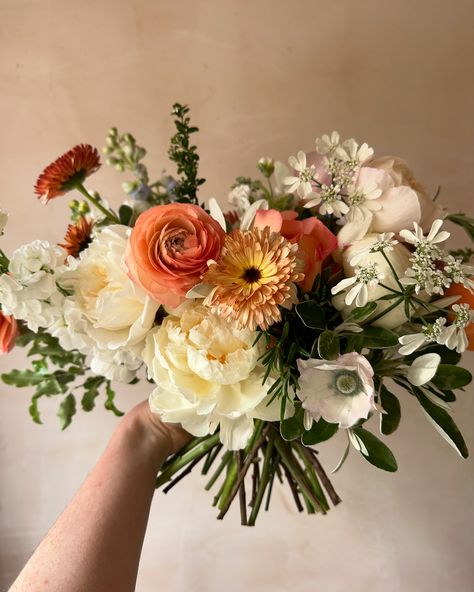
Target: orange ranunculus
<point x="8" y="333"/>
<point x="169" y="248"/>
<point x="466" y="297"/>
<point x="314" y="239"/>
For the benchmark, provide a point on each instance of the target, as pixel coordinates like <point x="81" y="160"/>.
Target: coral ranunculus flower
<point x="77" y="237"/>
<point x="169" y="248"/>
<point x="314" y="239"/>
<point x="254" y="276"/>
<point x="8" y="333"/>
<point x="67" y="172"/>
<point x="466" y="297"/>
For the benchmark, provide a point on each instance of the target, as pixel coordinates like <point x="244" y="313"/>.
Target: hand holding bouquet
<point x="265" y="329"/>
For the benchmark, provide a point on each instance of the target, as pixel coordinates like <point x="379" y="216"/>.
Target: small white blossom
<point x="458" y="272"/>
<point x="30" y="262"/>
<point x="329" y="201"/>
<point x="326" y="144"/>
<point x="433" y="237"/>
<point x="366" y="276"/>
<point x="454" y="336"/>
<point x="239" y="198"/>
<point x="385" y="243"/>
<point x="351" y="151"/>
<point x="429" y="334"/>
<point x="301" y="183"/>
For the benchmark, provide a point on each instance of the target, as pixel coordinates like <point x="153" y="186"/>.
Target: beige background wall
<point x="263" y="78"/>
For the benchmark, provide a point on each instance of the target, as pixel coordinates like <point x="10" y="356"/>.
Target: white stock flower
<point x="366" y="276"/>
<point x="239" y="198"/>
<point x="207" y="375"/>
<point x="118" y="312"/>
<point x="302" y="182"/>
<point x="33" y="261"/>
<point x="428" y="334"/>
<point x="3" y="221"/>
<point x="339" y="391"/>
<point x="454" y="336"/>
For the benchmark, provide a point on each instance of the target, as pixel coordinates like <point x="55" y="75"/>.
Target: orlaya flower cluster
<point x="294" y="309"/>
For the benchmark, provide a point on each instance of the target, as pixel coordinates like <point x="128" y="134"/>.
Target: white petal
<point x="249" y="216"/>
<point x="216" y="213"/>
<point x="343" y="284"/>
<point x="423" y="369"/>
<point x="235" y="433"/>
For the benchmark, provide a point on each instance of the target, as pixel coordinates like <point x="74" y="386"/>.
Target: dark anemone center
<point x="251" y="275"/>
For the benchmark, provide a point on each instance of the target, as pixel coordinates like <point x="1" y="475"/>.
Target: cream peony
<point x="207" y="375"/>
<point x="117" y="312"/>
<point x="399" y="257"/>
<point x="339" y="391"/>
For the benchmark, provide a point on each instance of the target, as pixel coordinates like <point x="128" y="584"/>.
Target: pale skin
<point x="95" y="544"/>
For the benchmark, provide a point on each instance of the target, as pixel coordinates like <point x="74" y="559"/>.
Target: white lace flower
<point x="339" y="391"/>
<point x="207" y="374"/>
<point x="433" y="237"/>
<point x="454" y="336"/>
<point x="366" y="276"/>
<point x="384" y="243"/>
<point x="239" y="198"/>
<point x="429" y="334"/>
<point x="326" y="144"/>
<point x="301" y="183"/>
<point x="351" y="151"/>
<point x="458" y="272"/>
<point x="3" y="221"/>
<point x="329" y="200"/>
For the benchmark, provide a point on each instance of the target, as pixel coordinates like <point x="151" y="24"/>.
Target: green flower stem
<point x="313" y="479"/>
<point x="239" y="457"/>
<point x="328" y="486"/>
<point x="263" y="479"/>
<point x="189" y="446"/>
<point x="107" y="213"/>
<point x="230" y="479"/>
<point x="220" y="468"/>
<point x="392" y="270"/>
<point x="295" y="469"/>
<point x="387" y="310"/>
<point x="186" y="458"/>
<point x="211" y="457"/>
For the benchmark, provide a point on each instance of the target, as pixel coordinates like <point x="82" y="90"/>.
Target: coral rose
<point x="8" y="333"/>
<point x="169" y="248"/>
<point x="315" y="240"/>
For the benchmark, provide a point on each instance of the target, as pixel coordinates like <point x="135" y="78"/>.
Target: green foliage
<point x="390" y="418"/>
<point x="292" y="427"/>
<point x="184" y="154"/>
<point x="378" y="338"/>
<point x="320" y="431"/>
<point x="465" y="222"/>
<point x="55" y="372"/>
<point x="328" y="345"/>
<point x="373" y="450"/>
<point x="312" y="314"/>
<point x="450" y="377"/>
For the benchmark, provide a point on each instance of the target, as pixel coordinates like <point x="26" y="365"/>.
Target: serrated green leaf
<point x="328" y="345"/>
<point x="444" y="424"/>
<point x="389" y="420"/>
<point x="91" y="392"/>
<point x="378" y="338"/>
<point x="34" y="410"/>
<point x="311" y="314"/>
<point x="320" y="432"/>
<point x="66" y="411"/>
<point x="375" y="451"/>
<point x="449" y="377"/>
<point x="22" y="378"/>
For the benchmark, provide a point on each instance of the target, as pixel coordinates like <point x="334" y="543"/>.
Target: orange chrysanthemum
<point x="67" y="172"/>
<point x="77" y="237"/>
<point x="254" y="276"/>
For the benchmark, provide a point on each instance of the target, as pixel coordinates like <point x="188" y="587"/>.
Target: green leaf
<point x="91" y="392"/>
<point x="464" y="221"/>
<point x="292" y="427"/>
<point x="362" y="312"/>
<point x="373" y="450"/>
<point x="449" y="356"/>
<point x="66" y="410"/>
<point x="378" y="338"/>
<point x="328" y="345"/>
<point x="33" y="409"/>
<point x="22" y="378"/>
<point x="125" y="214"/>
<point x="444" y="424"/>
<point x="389" y="420"/>
<point x="449" y="377"/>
<point x="312" y="315"/>
<point x="320" y="432"/>
<point x="109" y="403"/>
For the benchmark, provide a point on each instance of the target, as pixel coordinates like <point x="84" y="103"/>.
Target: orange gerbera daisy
<point x="67" y="172"/>
<point x="254" y="275"/>
<point x="78" y="236"/>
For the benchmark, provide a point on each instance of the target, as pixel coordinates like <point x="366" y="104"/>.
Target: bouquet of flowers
<point x="263" y="330"/>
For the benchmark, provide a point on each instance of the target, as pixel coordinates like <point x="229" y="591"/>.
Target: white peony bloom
<point x="3" y="221"/>
<point x="207" y="375"/>
<point x="339" y="391"/>
<point x="117" y="312"/>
